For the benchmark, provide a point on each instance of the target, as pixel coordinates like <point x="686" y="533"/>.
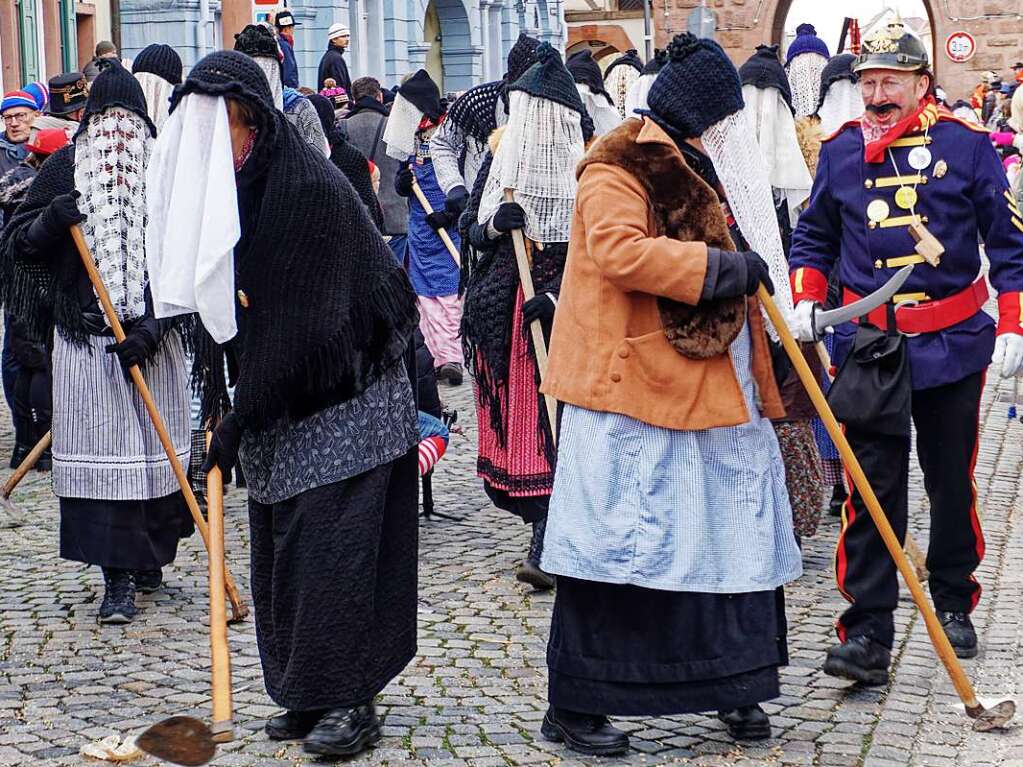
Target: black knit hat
<point x="628" y="59"/>
<point x="656" y="64"/>
<point x="325" y="111"/>
<point x="764" y="70"/>
<point x="549" y="79"/>
<point x="585" y="70"/>
<point x="839" y="67"/>
<point x="422" y="92"/>
<point x="257" y="40"/>
<point x="160" y="60"/>
<point x="521" y="57"/>
<point x="116" y="87"/>
<point x="697" y="88"/>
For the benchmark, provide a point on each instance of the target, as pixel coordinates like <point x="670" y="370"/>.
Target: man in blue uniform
<point x="909" y="184"/>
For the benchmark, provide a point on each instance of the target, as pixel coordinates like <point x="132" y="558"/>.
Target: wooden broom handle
<point x="27" y="464"/>
<point x="891" y="542"/>
<point x="238" y="607"/>
<point x="220" y="654"/>
<point x="442" y="232"/>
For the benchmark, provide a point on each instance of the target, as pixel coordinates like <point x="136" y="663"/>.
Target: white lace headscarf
<point x="111" y="155"/>
<point x="842" y="103"/>
<point x="804" y="73"/>
<point x="158" y="92"/>
<point x="272" y="69"/>
<point x="603" y="113"/>
<point x="618" y="83"/>
<point x="776" y="133"/>
<point x="743" y="173"/>
<point x="537" y="156"/>
<point x="638" y="92"/>
<point x="400" y="131"/>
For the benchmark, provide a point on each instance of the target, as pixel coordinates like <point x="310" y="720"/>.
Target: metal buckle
<point x="901" y="305"/>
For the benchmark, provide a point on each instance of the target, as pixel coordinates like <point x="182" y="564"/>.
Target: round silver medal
<point x="920" y="158"/>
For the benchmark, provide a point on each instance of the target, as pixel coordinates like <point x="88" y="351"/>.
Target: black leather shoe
<point x="344" y="732"/>
<point x="584" y="733"/>
<point x="960" y="632"/>
<point x="292" y="725"/>
<point x="148" y="581"/>
<point x="529" y="573"/>
<point x="747" y="723"/>
<point x="861" y="659"/>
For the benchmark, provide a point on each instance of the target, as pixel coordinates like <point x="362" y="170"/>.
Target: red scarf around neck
<point x="923" y="118"/>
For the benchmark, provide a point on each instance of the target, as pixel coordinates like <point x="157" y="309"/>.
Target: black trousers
<point x="946" y="420"/>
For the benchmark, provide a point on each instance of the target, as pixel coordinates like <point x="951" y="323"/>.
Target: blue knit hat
<point x="15" y="99"/>
<point x="40" y="93"/>
<point x="806" y="42"/>
<point x="697" y="88"/>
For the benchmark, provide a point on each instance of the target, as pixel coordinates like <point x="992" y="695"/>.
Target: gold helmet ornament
<point x="892" y="47"/>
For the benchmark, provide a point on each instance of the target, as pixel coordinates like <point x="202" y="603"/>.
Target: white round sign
<point x="960" y="47"/>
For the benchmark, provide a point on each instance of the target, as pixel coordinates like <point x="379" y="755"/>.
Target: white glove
<point x="1009" y="354"/>
<point x="1017" y="141"/>
<point x="802" y="322"/>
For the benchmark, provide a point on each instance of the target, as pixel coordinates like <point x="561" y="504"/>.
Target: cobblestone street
<point x="475" y="694"/>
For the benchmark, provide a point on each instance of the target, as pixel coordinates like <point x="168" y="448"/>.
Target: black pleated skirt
<point x="334" y="579"/>
<point x="629" y="651"/>
<point x="131" y="535"/>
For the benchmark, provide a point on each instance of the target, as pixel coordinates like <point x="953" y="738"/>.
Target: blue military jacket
<point x="962" y="196"/>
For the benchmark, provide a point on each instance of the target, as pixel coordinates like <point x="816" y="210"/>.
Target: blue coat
<point x="289" y="67"/>
<point x="966" y="195"/>
<point x="431" y="268"/>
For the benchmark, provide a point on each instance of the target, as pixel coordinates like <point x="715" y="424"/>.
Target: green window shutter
<point x="68" y="36"/>
<point x="28" y="30"/>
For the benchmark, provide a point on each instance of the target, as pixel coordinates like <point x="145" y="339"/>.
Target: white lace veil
<point x="743" y="173"/>
<point x="636" y="98"/>
<point x="618" y="83"/>
<point x="272" y="69"/>
<point x="776" y="133"/>
<point x="537" y="156"/>
<point x="158" y="92"/>
<point x="804" y="73"/>
<point x="111" y="155"/>
<point x="604" y="115"/>
<point x="400" y="132"/>
<point x="842" y="103"/>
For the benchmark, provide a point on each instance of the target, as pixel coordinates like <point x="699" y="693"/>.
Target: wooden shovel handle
<point x="891" y="542"/>
<point x="238" y="607"/>
<point x="442" y="232"/>
<point x="220" y="655"/>
<point x="27" y="464"/>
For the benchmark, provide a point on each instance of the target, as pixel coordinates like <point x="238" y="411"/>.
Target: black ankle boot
<point x="860" y="659"/>
<point x="747" y="723"/>
<point x="584" y="733"/>
<point x="344" y="732"/>
<point x="148" y="581"/>
<point x="529" y="570"/>
<point x="119" y="597"/>
<point x="960" y="632"/>
<point x="292" y="725"/>
<point x="838" y="499"/>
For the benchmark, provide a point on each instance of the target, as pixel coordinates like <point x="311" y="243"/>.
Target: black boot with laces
<point x="960" y="632"/>
<point x="344" y="732"/>
<point x="119" y="597"/>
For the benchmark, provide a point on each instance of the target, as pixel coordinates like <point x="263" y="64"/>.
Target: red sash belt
<point x="930" y="316"/>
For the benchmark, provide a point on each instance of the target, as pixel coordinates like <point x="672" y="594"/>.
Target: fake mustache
<point x="882" y="109"/>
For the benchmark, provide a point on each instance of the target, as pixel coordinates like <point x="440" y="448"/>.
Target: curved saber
<point x="823" y="320"/>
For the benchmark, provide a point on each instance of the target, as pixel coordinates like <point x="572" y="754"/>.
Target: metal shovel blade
<point x="179" y="740"/>
<point x="994" y="718"/>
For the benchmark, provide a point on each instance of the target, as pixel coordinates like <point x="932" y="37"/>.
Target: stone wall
<point x="744" y="24"/>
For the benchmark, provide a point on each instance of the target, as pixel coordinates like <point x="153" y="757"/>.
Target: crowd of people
<point x="586" y="246"/>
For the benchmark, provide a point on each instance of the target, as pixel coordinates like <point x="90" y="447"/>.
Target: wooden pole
<point x="442" y="232"/>
<point x="220" y="654"/>
<point x="238" y="607"/>
<point x="27" y="464"/>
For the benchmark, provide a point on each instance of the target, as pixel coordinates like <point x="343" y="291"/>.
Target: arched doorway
<point x="446" y="31"/>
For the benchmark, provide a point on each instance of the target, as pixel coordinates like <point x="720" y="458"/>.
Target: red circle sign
<point x="960" y="47"/>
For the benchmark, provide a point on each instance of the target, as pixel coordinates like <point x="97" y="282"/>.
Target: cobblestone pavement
<point x="475" y="694"/>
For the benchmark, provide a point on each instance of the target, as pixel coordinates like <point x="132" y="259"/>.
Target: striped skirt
<point x="104" y="444"/>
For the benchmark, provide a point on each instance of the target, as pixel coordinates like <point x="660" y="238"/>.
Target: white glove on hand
<point x="802" y="321"/>
<point x="1009" y="354"/>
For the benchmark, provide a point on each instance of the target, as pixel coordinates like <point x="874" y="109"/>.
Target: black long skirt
<point x="334" y="579"/>
<point x="629" y="651"/>
<point x="130" y="535"/>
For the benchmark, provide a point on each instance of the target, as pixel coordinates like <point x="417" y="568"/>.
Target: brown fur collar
<point x="685" y="208"/>
<point x="809" y="135"/>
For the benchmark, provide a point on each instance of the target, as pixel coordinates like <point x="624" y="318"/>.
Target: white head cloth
<point x="618" y="83"/>
<point x="158" y="92"/>
<point x="110" y="174"/>
<point x="967" y="114"/>
<point x="805" y="81"/>
<point x="743" y="173"/>
<point x="636" y="98"/>
<point x="541" y="145"/>
<point x="842" y="103"/>
<point x="193" y="216"/>
<point x="604" y="115"/>
<point x="776" y="133"/>
<point x="400" y="132"/>
<point x="272" y="69"/>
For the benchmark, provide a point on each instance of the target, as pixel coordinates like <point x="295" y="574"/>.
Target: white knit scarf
<point x="272" y="69"/>
<point x="805" y="81"/>
<point x="636" y="98"/>
<point x="842" y="103"/>
<point x="618" y="83"/>
<point x="158" y="92"/>
<point x="604" y="115"/>
<point x="400" y="131"/>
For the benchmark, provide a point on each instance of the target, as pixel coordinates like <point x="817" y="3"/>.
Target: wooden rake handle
<point x="442" y="232"/>
<point x="220" y="653"/>
<point x="27" y="464"/>
<point x="891" y="542"/>
<point x="238" y="608"/>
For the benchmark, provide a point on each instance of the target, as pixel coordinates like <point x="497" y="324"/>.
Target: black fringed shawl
<point x="475" y="111"/>
<point x="352" y="163"/>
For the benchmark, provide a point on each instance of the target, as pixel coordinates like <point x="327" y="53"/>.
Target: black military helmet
<point x="892" y="47"/>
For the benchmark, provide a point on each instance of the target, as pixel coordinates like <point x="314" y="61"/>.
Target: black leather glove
<point x="731" y="274"/>
<point x="139" y="344"/>
<point x="223" y="452"/>
<point x="456" y="201"/>
<point x="440" y="220"/>
<point x="509" y="216"/>
<point x="539" y="307"/>
<point x="55" y="220"/>
<point x="403" y="181"/>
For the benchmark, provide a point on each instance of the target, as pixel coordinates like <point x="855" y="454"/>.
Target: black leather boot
<point x="584" y="733"/>
<point x="148" y="581"/>
<point x="861" y="659"/>
<point x="119" y="597"/>
<point x="747" y="723"/>
<point x="529" y="570"/>
<point x="344" y="732"/>
<point x="838" y="498"/>
<point x="292" y="725"/>
<point x="960" y="632"/>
